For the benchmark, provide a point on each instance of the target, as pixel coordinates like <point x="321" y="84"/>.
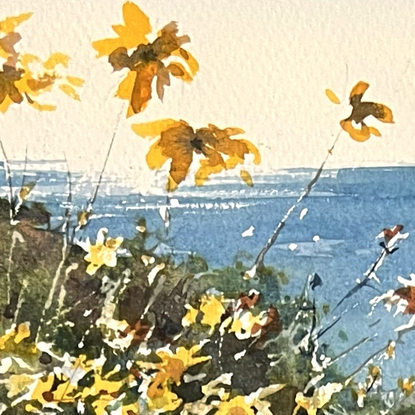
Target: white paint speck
<point x="240" y="355"/>
<point x="292" y="247"/>
<point x="303" y="213"/>
<point x="248" y="232"/>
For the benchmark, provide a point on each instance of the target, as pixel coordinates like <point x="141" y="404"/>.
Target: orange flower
<point x="145" y="60"/>
<point x="360" y="111"/>
<point x="179" y="142"/>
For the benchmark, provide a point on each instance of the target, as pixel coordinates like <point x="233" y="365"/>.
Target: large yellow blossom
<point x="145" y="61"/>
<point x="180" y="143"/>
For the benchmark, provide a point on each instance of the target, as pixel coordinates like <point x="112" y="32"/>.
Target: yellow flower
<point x="170" y="370"/>
<point x="174" y="364"/>
<point x="360" y="111"/>
<point x="236" y="406"/>
<point x="146" y="61"/>
<point x="11" y="341"/>
<point x="321" y="397"/>
<point x="26" y="76"/>
<point x="254" y="403"/>
<point x="246" y="325"/>
<point x="212" y="309"/>
<point x="190" y="317"/>
<point x="160" y="397"/>
<point x="102" y="253"/>
<point x="179" y="142"/>
<point x="26" y="81"/>
<point x="406" y="385"/>
<point x="360" y="395"/>
<point x="390" y="350"/>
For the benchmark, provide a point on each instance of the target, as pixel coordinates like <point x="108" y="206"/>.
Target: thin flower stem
<point x="9" y="179"/>
<point x="259" y="262"/>
<point x="68" y="209"/>
<point x="9" y="268"/>
<point x="363" y="365"/>
<point x="24" y="169"/>
<point x="350" y="349"/>
<point x="65" y="251"/>
<point x="373" y="355"/>
<point x="364" y="282"/>
<point x="95" y="194"/>
<point x="49" y="301"/>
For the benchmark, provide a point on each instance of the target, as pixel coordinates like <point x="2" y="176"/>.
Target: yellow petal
<point x="205" y="171"/>
<point x="93" y="268"/>
<point x="56" y="59"/>
<point x="130" y="111"/>
<point x="27" y="59"/>
<point x="155" y="158"/>
<point x="192" y="63"/>
<point x="387" y="114"/>
<point x="171" y="185"/>
<point x="212" y="309"/>
<point x="179" y="71"/>
<point x="190" y="317"/>
<point x="133" y="33"/>
<point x="154" y="128"/>
<point x="125" y="89"/>
<point x="23" y="332"/>
<point x="360" y="88"/>
<point x="332" y="96"/>
<point x="25" y="190"/>
<point x="75" y="81"/>
<point x="375" y="131"/>
<point x="253" y="150"/>
<point x="232" y="162"/>
<point x="43" y="107"/>
<point x="246" y="177"/>
<point x="70" y="91"/>
<point x="4" y="106"/>
<point x="30" y="408"/>
<point x="10" y="23"/>
<point x="359" y="135"/>
<point x="236" y="406"/>
<point x="230" y="131"/>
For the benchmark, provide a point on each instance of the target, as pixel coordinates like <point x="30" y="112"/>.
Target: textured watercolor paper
<point x="207" y="207"/>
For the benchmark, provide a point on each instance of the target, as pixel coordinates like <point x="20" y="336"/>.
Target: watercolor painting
<point x="207" y="208"/>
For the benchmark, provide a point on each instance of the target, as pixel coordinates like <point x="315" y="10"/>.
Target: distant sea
<point x="333" y="233"/>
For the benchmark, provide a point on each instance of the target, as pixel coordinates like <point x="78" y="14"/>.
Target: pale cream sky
<point x="264" y="67"/>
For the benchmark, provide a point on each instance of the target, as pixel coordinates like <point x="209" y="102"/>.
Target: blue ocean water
<point x="335" y="236"/>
